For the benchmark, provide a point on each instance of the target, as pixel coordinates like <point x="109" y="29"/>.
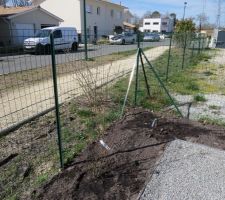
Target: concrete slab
<point x="188" y="171"/>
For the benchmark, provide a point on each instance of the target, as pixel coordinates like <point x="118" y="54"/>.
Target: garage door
<point x="22" y="32"/>
<point x="221" y="40"/>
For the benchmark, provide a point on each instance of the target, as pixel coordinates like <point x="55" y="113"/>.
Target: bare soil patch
<point x="135" y="146"/>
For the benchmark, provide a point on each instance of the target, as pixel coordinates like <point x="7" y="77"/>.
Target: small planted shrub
<point x="199" y="98"/>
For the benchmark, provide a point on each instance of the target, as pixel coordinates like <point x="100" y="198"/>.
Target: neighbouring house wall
<point x="148" y="25"/>
<point x="68" y="10"/>
<point x="104" y="21"/>
<point x="71" y="11"/>
<point x="36" y="18"/>
<point x="26" y="25"/>
<point x="128" y="16"/>
<point x="169" y="27"/>
<point x="4" y="33"/>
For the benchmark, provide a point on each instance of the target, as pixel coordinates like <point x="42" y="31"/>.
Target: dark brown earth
<point x="121" y="173"/>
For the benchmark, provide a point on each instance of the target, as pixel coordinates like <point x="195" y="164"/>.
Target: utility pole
<point x="85" y="31"/>
<point x="185" y="5"/>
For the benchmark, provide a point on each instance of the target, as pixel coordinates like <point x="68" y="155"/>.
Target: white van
<point x="64" y="38"/>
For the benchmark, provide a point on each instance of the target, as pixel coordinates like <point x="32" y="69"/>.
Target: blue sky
<point x="194" y="7"/>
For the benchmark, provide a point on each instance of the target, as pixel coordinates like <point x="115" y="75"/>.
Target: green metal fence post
<point x="138" y="39"/>
<point x="137" y="68"/>
<point x="161" y="82"/>
<point x="145" y="76"/>
<point x="199" y="44"/>
<point x="203" y="42"/>
<point x="85" y="30"/>
<point x="168" y="62"/>
<point x="54" y="76"/>
<point x="192" y="51"/>
<point x="184" y="50"/>
<point x="137" y="78"/>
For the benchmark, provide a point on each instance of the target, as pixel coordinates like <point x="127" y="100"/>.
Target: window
<point x="98" y="10"/>
<point x="118" y="15"/>
<point x="88" y="33"/>
<point x="164" y="23"/>
<point x="121" y="14"/>
<point x="112" y="13"/>
<point x="155" y="23"/>
<point x="89" y="8"/>
<point x="47" y="25"/>
<point x="57" y="34"/>
<point x="147" y="23"/>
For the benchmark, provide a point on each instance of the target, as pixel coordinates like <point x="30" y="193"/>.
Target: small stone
<point x="24" y="170"/>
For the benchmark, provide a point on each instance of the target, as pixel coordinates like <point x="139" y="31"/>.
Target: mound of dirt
<point x="120" y="171"/>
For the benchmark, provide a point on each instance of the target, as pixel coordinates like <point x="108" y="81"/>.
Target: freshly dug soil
<point x="135" y="146"/>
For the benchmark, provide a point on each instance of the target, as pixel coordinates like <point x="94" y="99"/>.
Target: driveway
<point x="16" y="63"/>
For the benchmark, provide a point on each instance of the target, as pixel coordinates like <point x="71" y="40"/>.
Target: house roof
<point x="12" y="12"/>
<point x="108" y="1"/>
<point x="128" y="25"/>
<point x="39" y="2"/>
<point x="127" y="11"/>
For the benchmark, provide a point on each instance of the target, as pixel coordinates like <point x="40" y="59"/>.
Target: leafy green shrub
<point x="199" y="98"/>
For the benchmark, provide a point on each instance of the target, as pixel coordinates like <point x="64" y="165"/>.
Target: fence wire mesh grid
<point x="91" y="95"/>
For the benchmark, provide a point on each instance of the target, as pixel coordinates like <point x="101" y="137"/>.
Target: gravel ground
<point x="219" y="57"/>
<point x="23" y="102"/>
<point x="213" y="107"/>
<point x="188" y="171"/>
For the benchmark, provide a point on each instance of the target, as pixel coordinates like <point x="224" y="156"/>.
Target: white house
<point x="19" y="23"/>
<point x="102" y="15"/>
<point x="162" y="24"/>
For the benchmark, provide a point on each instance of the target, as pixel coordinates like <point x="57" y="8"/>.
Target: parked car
<point x="150" y="37"/>
<point x="162" y="36"/>
<point x="123" y="39"/>
<point x="64" y="38"/>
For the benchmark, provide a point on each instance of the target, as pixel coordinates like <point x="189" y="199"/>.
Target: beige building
<point x="19" y="23"/>
<point x="102" y="15"/>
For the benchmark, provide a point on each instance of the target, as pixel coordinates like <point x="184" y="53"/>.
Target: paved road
<point x="9" y="64"/>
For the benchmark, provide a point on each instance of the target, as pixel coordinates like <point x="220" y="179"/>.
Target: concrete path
<point x="188" y="171"/>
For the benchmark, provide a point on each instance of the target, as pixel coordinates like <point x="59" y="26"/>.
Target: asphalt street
<point x="21" y="62"/>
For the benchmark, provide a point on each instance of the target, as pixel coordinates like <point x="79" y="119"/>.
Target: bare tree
<point x="136" y="19"/>
<point x="156" y="14"/>
<point x="3" y="2"/>
<point x="173" y="16"/>
<point x="147" y="14"/>
<point x="203" y="20"/>
<point x="21" y="3"/>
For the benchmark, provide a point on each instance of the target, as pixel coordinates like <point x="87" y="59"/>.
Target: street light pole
<point x="85" y="30"/>
<point x="185" y="5"/>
